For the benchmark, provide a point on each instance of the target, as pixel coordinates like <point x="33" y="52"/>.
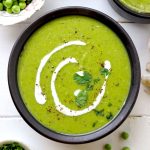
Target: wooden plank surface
<point x="139" y="129"/>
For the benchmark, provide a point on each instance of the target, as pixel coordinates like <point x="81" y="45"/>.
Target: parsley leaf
<point x="81" y="98"/>
<point x="86" y="78"/>
<point x="109" y="116"/>
<point x="96" y="80"/>
<point x="11" y="146"/>
<point x="89" y="87"/>
<point x="99" y="112"/>
<point x="104" y="71"/>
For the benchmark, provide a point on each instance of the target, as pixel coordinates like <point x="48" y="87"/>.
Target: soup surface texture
<point x="74" y="75"/>
<point x="141" y="6"/>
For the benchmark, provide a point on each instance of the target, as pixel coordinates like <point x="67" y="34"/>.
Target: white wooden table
<point x="13" y="127"/>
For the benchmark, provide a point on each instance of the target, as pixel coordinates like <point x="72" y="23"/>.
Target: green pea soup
<point x="140" y="6"/>
<point x="100" y="44"/>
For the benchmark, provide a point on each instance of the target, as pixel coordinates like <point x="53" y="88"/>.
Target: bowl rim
<point x="132" y="12"/>
<point x="135" y="83"/>
<point x="129" y="13"/>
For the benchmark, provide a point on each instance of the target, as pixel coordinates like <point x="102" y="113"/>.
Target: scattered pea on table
<point x="125" y="148"/>
<point x="107" y="147"/>
<point x="124" y="135"/>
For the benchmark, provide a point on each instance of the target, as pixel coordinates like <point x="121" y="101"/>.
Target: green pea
<point x="22" y="0"/>
<point x="28" y="1"/>
<point x="125" y="148"/>
<point x="16" y="9"/>
<point x="1" y="6"/>
<point x="8" y="3"/>
<point x="107" y="147"/>
<point x="22" y="5"/>
<point x="3" y="2"/>
<point x="15" y="3"/>
<point x="125" y="135"/>
<point x="9" y="10"/>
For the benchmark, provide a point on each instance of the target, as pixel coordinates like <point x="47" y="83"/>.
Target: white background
<point x="13" y="127"/>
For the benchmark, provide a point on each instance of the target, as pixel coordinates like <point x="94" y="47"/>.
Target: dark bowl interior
<point x="128" y="13"/>
<point x="134" y="89"/>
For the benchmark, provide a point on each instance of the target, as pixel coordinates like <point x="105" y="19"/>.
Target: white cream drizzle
<point x="76" y="92"/>
<point x="41" y="99"/>
<point x="62" y="108"/>
<point x="80" y="73"/>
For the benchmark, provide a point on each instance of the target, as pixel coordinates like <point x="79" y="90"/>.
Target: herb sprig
<point x="87" y="81"/>
<point x="104" y="72"/>
<point x="99" y="112"/>
<point x="11" y="146"/>
<point x="86" y="78"/>
<point x="81" y="98"/>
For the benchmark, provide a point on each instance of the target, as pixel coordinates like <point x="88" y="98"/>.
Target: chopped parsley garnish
<point x="96" y="80"/>
<point x="99" y="112"/>
<point x="104" y="72"/>
<point x="109" y="116"/>
<point x="81" y="98"/>
<point x="11" y="146"/>
<point x="89" y="87"/>
<point x="94" y="124"/>
<point x="86" y="78"/>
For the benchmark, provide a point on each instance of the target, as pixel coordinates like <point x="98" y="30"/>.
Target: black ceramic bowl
<point x="135" y="65"/>
<point x="128" y="13"/>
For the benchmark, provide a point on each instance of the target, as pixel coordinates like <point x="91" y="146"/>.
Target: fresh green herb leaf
<point x="96" y="80"/>
<point x="81" y="98"/>
<point x="104" y="71"/>
<point x="99" y="112"/>
<point x="89" y="87"/>
<point x="109" y="116"/>
<point x="86" y="78"/>
<point x="11" y="146"/>
<point x="94" y="124"/>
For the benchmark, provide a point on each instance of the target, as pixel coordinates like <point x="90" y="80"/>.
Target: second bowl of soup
<point x="134" y="10"/>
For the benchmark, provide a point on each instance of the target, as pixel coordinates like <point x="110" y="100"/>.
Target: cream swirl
<point x="41" y="99"/>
